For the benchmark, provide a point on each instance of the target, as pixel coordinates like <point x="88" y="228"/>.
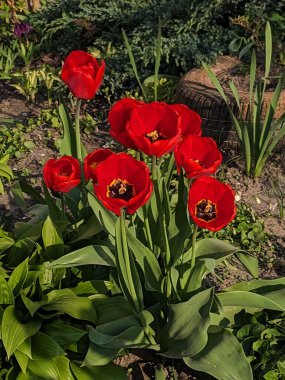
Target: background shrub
<point x="192" y="31"/>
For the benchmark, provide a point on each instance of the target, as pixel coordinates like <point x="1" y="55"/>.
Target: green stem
<point x="162" y="225"/>
<point x="147" y="228"/>
<point x="125" y="251"/>
<point x="62" y="205"/>
<point x="194" y="238"/>
<point x="77" y="130"/>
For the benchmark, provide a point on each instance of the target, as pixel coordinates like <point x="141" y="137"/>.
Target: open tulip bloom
<point x="140" y="221"/>
<point x="198" y="156"/>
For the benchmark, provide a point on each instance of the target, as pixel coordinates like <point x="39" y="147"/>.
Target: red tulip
<point x="154" y="128"/>
<point x="211" y="203"/>
<point x="198" y="156"/>
<point x="62" y="174"/>
<point x="123" y="182"/>
<point x="190" y="120"/>
<point x="119" y="116"/>
<point x="92" y="160"/>
<point x="82" y="74"/>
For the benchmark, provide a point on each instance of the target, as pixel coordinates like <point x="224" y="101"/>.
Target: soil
<point x="257" y="193"/>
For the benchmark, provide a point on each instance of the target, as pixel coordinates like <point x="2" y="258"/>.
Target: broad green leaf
<point x="248" y="300"/>
<point x="99" y="356"/>
<point x="258" y="285"/>
<point x="18" y="277"/>
<point x="106" y="217"/>
<point x="127" y="272"/>
<point x="90" y="255"/>
<point x="249" y="262"/>
<point x="111" y="309"/>
<point x="55" y="369"/>
<point x="108" y="372"/>
<point x="62" y="333"/>
<point x="22" y="360"/>
<point x="65" y="301"/>
<point x="147" y="261"/>
<point x="14" y="332"/>
<point x="6" y="293"/>
<point x="92" y="287"/>
<point x="222" y="357"/>
<point x="211" y="248"/>
<point x="52" y="239"/>
<point x="122" y="333"/>
<point x="44" y="347"/>
<point x="187" y="325"/>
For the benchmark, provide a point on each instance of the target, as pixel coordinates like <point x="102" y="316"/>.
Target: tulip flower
<point x="198" y="156"/>
<point x="119" y="116"/>
<point x="211" y="203"/>
<point x="154" y="128"/>
<point x="83" y="74"/>
<point x="62" y="174"/>
<point x="92" y="160"/>
<point x="122" y="183"/>
<point x="190" y="120"/>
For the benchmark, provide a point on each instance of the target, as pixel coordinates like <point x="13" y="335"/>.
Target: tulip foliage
<point x="114" y="256"/>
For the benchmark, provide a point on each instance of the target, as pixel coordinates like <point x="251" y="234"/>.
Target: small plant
<point x="13" y="139"/>
<point x="257" y="136"/>
<point x="245" y="230"/>
<point x="262" y="336"/>
<point x="8" y="56"/>
<point x="5" y="172"/>
<point x="27" y="83"/>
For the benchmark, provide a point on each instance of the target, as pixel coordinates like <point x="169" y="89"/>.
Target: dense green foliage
<point x="192" y="31"/>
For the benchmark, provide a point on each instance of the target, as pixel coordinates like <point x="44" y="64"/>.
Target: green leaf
<point x="90" y="255"/>
<point x="65" y="301"/>
<point x="44" y="347"/>
<point x="249" y="262"/>
<point x="121" y="333"/>
<point x="99" y="356"/>
<point x="22" y="360"/>
<point x="52" y="239"/>
<point x="268" y="48"/>
<point x="222" y="357"/>
<point x="157" y="58"/>
<point x="211" y="248"/>
<point x="187" y="325"/>
<point x="6" y="293"/>
<point x="248" y="300"/>
<point x="108" y="372"/>
<point x="133" y="63"/>
<point x="106" y="217"/>
<point x="62" y="333"/>
<point x="14" y="332"/>
<point x="68" y="143"/>
<point x="127" y="272"/>
<point x="92" y="287"/>
<point x="18" y="277"/>
<point x="147" y="261"/>
<point x="111" y="309"/>
<point x="56" y="369"/>
<point x="159" y="374"/>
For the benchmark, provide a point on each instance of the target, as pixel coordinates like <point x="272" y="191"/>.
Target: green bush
<point x="191" y="31"/>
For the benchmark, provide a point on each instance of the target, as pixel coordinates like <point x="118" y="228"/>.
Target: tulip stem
<point x="77" y="130"/>
<point x="194" y="239"/>
<point x="125" y="251"/>
<point x="147" y="228"/>
<point x="62" y="205"/>
<point x="162" y="225"/>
